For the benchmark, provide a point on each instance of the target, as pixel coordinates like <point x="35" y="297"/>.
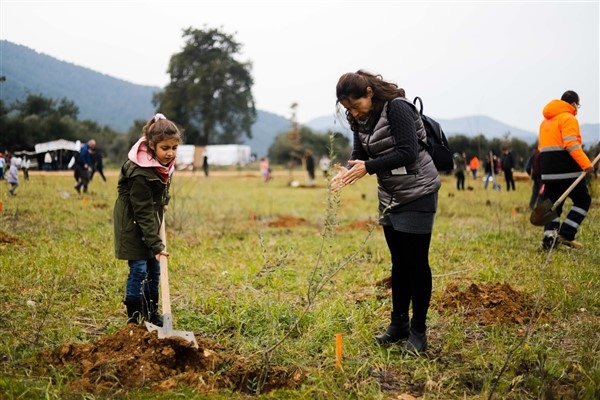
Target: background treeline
<point x="38" y="119"/>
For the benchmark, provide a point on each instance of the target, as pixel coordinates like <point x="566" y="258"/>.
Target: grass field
<point x="266" y="275"/>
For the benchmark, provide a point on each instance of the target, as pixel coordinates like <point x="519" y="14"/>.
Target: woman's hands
<point x="347" y="176"/>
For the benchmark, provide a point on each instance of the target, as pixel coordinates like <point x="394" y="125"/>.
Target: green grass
<point x="237" y="281"/>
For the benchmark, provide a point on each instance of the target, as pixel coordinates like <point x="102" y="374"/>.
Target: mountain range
<point x="117" y="103"/>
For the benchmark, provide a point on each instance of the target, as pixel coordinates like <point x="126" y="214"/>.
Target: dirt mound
<point x="287" y="221"/>
<point x="133" y="357"/>
<point x="485" y="303"/>
<point x="488" y="304"/>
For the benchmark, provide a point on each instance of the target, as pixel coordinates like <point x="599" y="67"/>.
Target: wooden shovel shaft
<point x="575" y="183"/>
<point x="164" y="275"/>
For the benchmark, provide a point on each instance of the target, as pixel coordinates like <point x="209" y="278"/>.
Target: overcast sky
<point x="504" y="60"/>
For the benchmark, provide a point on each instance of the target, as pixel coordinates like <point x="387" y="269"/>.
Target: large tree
<point x="210" y="90"/>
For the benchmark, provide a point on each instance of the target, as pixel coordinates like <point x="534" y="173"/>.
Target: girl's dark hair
<point x="353" y="85"/>
<point x="160" y="128"/>
<point x="570" y="97"/>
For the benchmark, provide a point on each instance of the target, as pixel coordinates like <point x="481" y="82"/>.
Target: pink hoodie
<point x="141" y="156"/>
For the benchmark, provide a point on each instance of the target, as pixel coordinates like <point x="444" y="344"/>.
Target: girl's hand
<point x="162" y="253"/>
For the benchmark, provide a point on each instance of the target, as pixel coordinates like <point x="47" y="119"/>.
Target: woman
<point x="387" y="131"/>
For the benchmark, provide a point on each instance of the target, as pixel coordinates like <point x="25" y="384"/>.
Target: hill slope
<point x="101" y="98"/>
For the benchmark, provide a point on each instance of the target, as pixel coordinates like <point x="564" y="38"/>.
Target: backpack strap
<point x="420" y="107"/>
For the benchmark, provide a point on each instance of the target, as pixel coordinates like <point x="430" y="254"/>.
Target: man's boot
<point x="134" y="310"/>
<point x="417" y="339"/>
<point x="397" y="330"/>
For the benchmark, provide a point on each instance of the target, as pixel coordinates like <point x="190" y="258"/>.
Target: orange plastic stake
<point x="84" y="200"/>
<point x="338" y="350"/>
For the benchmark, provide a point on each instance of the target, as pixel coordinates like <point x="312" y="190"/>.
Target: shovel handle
<point x="570" y="188"/>
<point x="164" y="274"/>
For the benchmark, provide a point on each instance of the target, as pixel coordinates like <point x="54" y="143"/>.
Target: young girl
<point x="143" y="188"/>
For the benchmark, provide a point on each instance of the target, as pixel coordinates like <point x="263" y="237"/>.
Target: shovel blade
<point x="543" y="213"/>
<point x="167" y="331"/>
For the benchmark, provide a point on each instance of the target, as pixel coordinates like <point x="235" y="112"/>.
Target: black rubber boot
<point x="397" y="331"/>
<point x="154" y="316"/>
<point x="134" y="310"/>
<point x="417" y="338"/>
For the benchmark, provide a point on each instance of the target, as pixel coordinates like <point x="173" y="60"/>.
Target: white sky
<point x="504" y="60"/>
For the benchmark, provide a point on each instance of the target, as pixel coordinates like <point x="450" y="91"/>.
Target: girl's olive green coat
<point x="138" y="212"/>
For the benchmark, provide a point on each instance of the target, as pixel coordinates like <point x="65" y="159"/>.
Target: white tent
<point x="185" y="155"/>
<point x="228" y="154"/>
<point x="218" y="154"/>
<point x="60" y="144"/>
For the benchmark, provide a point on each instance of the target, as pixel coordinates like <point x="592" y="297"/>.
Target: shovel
<point x="545" y="211"/>
<point x="167" y="329"/>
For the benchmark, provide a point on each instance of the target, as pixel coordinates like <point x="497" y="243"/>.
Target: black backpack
<point x="437" y="144"/>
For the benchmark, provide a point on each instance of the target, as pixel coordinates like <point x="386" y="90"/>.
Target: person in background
<point x="532" y="167"/>
<point x="2" y="162"/>
<point x="143" y="188"/>
<point x="460" y="166"/>
<point x="386" y="129"/>
<point x="48" y="161"/>
<point x="474" y="166"/>
<point x="562" y="160"/>
<point x="97" y="164"/>
<point x="325" y="164"/>
<point x="265" y="169"/>
<point x="507" y="162"/>
<point x="491" y="170"/>
<point x="25" y="164"/>
<point x="13" y="175"/>
<point x="55" y="163"/>
<point x="310" y="167"/>
<point x="84" y="164"/>
<point x="205" y="164"/>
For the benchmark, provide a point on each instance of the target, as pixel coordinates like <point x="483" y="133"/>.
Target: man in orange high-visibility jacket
<point x="474" y="166"/>
<point x="562" y="160"/>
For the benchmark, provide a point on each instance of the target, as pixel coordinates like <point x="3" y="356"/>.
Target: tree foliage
<point x="209" y="94"/>
<point x="39" y="119"/>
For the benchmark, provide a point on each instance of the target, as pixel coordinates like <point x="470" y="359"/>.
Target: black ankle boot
<point x="154" y="316"/>
<point x="417" y="339"/>
<point x="397" y="331"/>
<point x="134" y="310"/>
